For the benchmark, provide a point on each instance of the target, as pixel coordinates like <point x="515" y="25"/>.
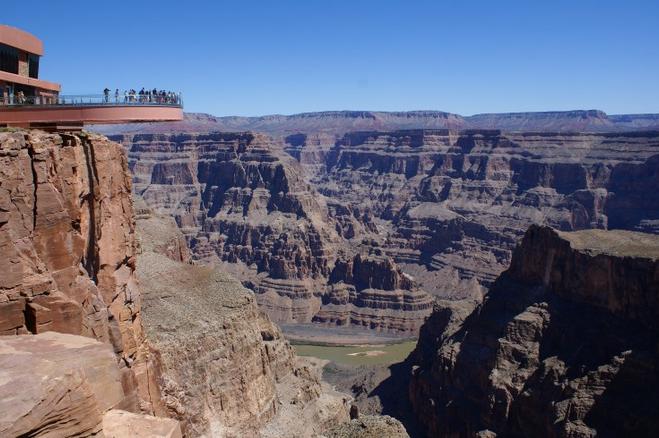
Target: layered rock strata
<point x="237" y="201"/>
<point x="371" y="291"/>
<point x="451" y="205"/>
<point x="564" y="344"/>
<point x="227" y="370"/>
<point x="243" y="203"/>
<point x="68" y="248"/>
<point x="446" y="206"/>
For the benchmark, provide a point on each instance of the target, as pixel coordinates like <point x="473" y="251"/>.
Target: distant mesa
<point x="332" y="125"/>
<point x="27" y="101"/>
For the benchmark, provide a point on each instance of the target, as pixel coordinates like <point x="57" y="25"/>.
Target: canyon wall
<point x="68" y="297"/>
<point x="243" y="203"/>
<point x="564" y="344"/>
<point x="372" y="292"/>
<point x="449" y="206"/>
<point x="442" y="207"/>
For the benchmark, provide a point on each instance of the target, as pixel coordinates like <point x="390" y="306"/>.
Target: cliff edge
<point x="70" y="311"/>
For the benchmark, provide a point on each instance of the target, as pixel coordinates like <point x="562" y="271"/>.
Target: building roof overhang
<point x="31" y="82"/>
<point x="20" y="39"/>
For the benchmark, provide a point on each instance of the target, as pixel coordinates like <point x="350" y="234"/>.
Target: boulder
<point x="57" y="384"/>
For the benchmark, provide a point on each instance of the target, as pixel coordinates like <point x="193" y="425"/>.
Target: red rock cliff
<point x="68" y="248"/>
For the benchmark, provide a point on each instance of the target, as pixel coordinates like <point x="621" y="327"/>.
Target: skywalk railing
<point x="169" y="99"/>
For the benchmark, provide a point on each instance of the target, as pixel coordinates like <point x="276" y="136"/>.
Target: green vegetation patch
<point x="383" y="354"/>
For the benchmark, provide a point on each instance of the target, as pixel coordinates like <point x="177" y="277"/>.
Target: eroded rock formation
<point x="564" y="344"/>
<point x="370" y="427"/>
<point x="227" y="370"/>
<point x="371" y="291"/>
<point x="243" y="203"/>
<point x="451" y="205"/>
<point x="120" y="424"/>
<point x="446" y="207"/>
<point x="236" y="201"/>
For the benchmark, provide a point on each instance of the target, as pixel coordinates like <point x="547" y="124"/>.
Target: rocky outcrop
<point x="243" y="204"/>
<point x="123" y="424"/>
<point x="55" y="384"/>
<point x="68" y="248"/>
<point x="564" y="344"/>
<point x="218" y="371"/>
<point x="308" y="406"/>
<point x="227" y="370"/>
<point x="370" y="427"/>
<point x="371" y="291"/>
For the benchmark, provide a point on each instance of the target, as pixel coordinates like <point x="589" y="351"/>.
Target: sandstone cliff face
<point x="73" y="348"/>
<point x="67" y="240"/>
<point x="243" y="203"/>
<point x="564" y="344"/>
<point x="227" y="370"/>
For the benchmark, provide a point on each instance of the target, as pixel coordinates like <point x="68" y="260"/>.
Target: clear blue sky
<point x="264" y="57"/>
